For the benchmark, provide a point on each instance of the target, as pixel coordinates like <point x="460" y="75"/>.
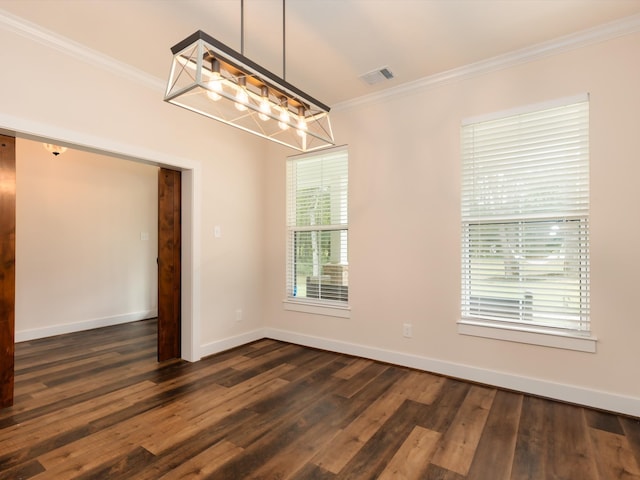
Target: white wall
<point x="54" y="90"/>
<point x="81" y="261"/>
<point x="404" y="251"/>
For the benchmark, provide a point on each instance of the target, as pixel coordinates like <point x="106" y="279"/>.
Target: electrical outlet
<point x="407" y="330"/>
<point x="238" y="315"/>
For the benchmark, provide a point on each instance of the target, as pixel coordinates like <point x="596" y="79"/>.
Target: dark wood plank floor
<point x="96" y="405"/>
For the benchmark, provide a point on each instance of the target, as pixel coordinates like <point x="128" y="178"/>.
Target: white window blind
<point x="317" y="224"/>
<point x="525" y="220"/>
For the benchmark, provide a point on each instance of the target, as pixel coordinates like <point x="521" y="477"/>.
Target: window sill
<point x="533" y="336"/>
<point x="318" y="308"/>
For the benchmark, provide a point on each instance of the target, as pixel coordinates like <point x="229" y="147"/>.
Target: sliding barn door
<point x="7" y="267"/>
<point x="169" y="246"/>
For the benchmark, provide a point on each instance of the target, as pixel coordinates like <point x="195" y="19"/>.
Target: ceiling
<point x="329" y="43"/>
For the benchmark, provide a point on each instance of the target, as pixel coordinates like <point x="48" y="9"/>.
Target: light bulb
<point x="265" y="107"/>
<point x="302" y="122"/>
<point x="242" y="98"/>
<point x="215" y="85"/>
<point x="284" y="114"/>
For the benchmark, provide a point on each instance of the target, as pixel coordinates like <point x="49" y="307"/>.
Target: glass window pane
<point x="318" y="271"/>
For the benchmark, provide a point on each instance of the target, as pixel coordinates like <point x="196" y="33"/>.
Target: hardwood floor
<point x="97" y="405"/>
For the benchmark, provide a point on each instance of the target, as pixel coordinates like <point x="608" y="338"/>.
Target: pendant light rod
<point x="284" y="43"/>
<point x="242" y="27"/>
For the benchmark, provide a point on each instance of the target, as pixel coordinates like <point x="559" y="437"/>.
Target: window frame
<point x="292" y="302"/>
<point x="517" y="330"/>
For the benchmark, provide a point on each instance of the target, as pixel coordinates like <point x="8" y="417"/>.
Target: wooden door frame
<point x="169" y="259"/>
<point x="7" y="267"/>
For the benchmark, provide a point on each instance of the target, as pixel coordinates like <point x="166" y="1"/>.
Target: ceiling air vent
<point x="377" y="76"/>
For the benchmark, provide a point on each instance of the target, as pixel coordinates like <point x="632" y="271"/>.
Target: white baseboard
<point x="566" y="393"/>
<point x="231" y="342"/>
<point x="35" y="333"/>
<point x="544" y="388"/>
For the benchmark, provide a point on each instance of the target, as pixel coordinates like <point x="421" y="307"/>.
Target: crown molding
<point x="608" y="31"/>
<point x="81" y="52"/>
<point x="624" y="26"/>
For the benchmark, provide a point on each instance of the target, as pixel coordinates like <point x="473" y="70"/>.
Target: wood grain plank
<point x="61" y="397"/>
<point x="23" y="471"/>
<point x="446" y="404"/>
<point x="269" y="453"/>
<point x="459" y="443"/>
<point x="64" y="463"/>
<point x="262" y="347"/>
<point x="168" y="427"/>
<point x="308" y="364"/>
<point x="39" y="372"/>
<point x="529" y="456"/>
<point x="124" y="466"/>
<point x="313" y="472"/>
<point x="220" y="404"/>
<point x="413" y="456"/>
<point x="361" y="380"/>
<point x="613" y="456"/>
<point x="275" y="355"/>
<point x="631" y="429"/>
<point x="568" y="448"/>
<point x="435" y="472"/>
<point x="604" y="421"/>
<point x="373" y="457"/>
<point x="355" y="366"/>
<point x="276" y="408"/>
<point x="205" y="463"/>
<point x="191" y="447"/>
<point x="496" y="447"/>
<point x="227" y="404"/>
<point x="318" y="426"/>
<point x="421" y="387"/>
<point x="350" y="440"/>
<point x="33" y="437"/>
<point x="252" y="367"/>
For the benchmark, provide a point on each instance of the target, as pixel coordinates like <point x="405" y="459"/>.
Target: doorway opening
<point x="189" y="286"/>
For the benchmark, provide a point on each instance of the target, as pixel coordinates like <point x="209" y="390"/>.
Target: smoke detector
<point x="377" y="76"/>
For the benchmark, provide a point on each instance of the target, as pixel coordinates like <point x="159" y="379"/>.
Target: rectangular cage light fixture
<point x="210" y="78"/>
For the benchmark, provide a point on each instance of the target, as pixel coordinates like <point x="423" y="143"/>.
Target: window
<point x="317" y="225"/>
<point x="525" y="221"/>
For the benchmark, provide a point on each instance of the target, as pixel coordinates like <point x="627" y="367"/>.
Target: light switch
<point x="144" y="236"/>
<point x="217" y="232"/>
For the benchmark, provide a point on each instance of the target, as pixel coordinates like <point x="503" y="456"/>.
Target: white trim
<point x="545" y="338"/>
<point x="190" y="307"/>
<point x="567" y="393"/>
<point x="80" y="52"/>
<point x="191" y="292"/>
<point x="608" y="31"/>
<point x="53" y="330"/>
<point x="231" y="342"/>
<point x="329" y="310"/>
